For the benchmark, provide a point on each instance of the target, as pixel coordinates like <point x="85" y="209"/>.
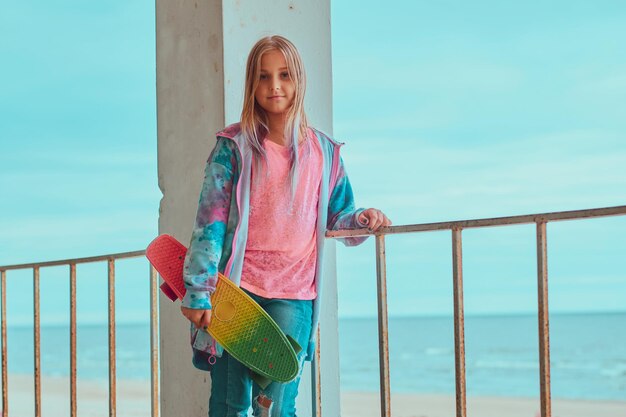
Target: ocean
<point x="588" y="354"/>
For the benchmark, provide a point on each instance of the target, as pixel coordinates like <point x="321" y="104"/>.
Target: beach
<point x="359" y="404"/>
<point x="133" y="397"/>
<point x="133" y="400"/>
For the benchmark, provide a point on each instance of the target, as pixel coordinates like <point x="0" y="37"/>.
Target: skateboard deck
<point x="238" y="323"/>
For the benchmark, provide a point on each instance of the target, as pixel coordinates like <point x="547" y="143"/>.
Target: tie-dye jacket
<point x="219" y="236"/>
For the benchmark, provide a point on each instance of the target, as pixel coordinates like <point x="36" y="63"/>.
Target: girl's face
<point x="276" y="90"/>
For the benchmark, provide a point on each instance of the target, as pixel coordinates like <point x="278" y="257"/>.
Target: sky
<point x="450" y="110"/>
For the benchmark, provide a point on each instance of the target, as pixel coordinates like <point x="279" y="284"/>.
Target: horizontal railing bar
<point x="75" y="260"/>
<point x="496" y="221"/>
<point x="424" y="227"/>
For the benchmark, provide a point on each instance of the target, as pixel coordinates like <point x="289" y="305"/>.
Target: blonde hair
<point x="254" y="119"/>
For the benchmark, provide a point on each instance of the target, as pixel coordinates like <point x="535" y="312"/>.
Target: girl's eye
<point x="282" y="74"/>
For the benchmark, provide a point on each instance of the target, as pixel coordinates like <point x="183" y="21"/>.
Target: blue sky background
<point x="450" y="110"/>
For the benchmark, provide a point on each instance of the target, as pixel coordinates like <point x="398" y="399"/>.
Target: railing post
<point x="544" y="329"/>
<point x="5" y="384"/>
<point x="316" y="373"/>
<point x="73" y="404"/>
<point x="459" y="322"/>
<point x="112" y="368"/>
<point x="154" y="342"/>
<point x="383" y="331"/>
<point x="37" y="341"/>
<point x="73" y="356"/>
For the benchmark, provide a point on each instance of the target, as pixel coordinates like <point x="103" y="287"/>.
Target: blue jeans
<point x="232" y="389"/>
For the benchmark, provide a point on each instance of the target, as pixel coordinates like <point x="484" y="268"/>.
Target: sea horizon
<point x="588" y="354"/>
<point x="122" y="322"/>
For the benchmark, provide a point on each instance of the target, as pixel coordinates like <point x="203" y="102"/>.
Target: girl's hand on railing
<point x="374" y="219"/>
<point x="200" y="318"/>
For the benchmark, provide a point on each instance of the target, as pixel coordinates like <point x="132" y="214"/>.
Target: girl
<point x="273" y="185"/>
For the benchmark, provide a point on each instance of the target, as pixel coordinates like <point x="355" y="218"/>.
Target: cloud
<point x="73" y="225"/>
<point x="452" y="73"/>
<point x="69" y="158"/>
<point x="611" y="84"/>
<point x="69" y="235"/>
<point x="562" y="170"/>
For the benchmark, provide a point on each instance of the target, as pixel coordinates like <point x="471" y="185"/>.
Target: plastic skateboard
<point x="238" y="323"/>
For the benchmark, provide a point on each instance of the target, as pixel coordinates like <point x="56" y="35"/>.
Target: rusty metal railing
<point x="456" y="228"/>
<point x="71" y="263"/>
<point x="459" y="324"/>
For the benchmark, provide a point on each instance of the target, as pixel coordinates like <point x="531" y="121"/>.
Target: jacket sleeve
<point x="207" y="240"/>
<point x="341" y="211"/>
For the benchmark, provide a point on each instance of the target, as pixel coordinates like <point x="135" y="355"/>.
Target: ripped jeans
<point x="232" y="389"/>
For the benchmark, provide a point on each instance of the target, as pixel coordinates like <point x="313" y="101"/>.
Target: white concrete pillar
<point x="202" y="48"/>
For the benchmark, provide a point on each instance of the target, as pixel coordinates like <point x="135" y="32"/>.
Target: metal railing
<point x="71" y="263"/>
<point x="456" y="228"/>
<point x="459" y="324"/>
